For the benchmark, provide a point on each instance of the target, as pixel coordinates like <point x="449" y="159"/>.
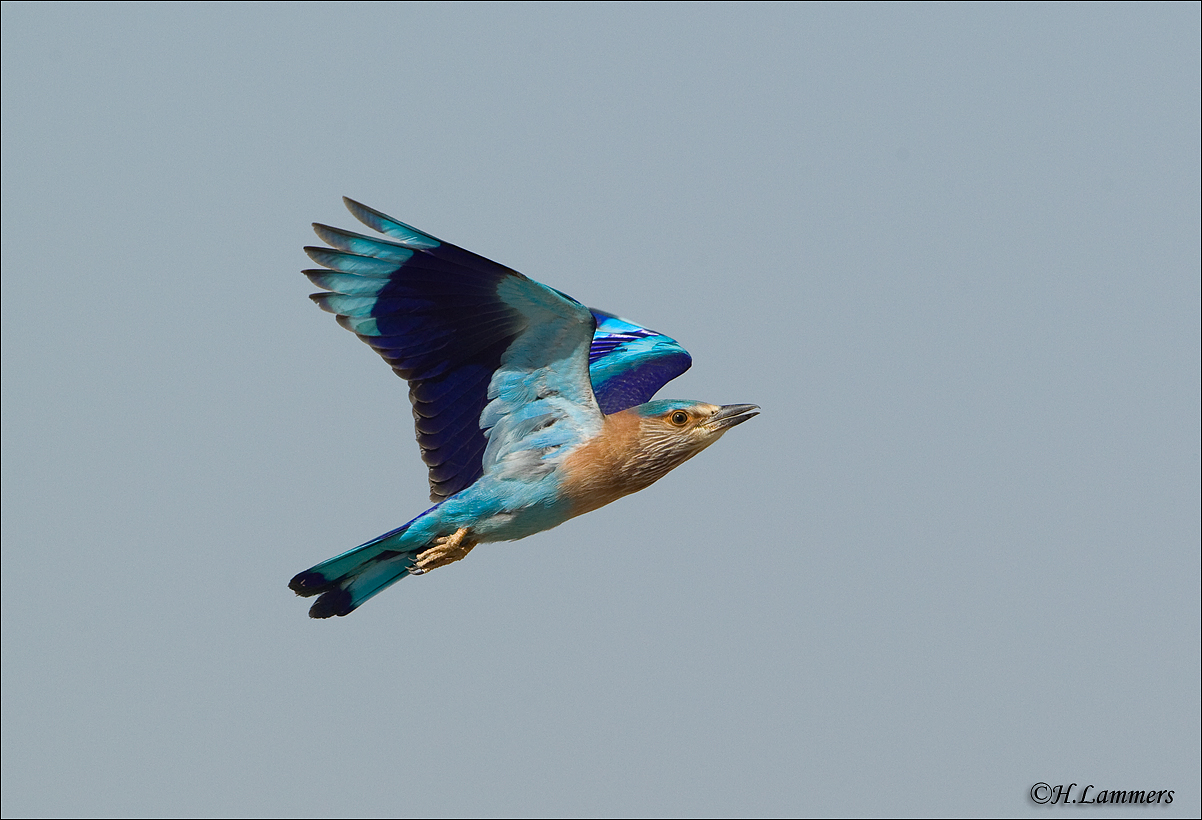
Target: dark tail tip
<point x="334" y="602"/>
<point x="308" y="583"/>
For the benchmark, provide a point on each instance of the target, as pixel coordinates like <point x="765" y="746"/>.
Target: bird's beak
<point x="729" y="415"/>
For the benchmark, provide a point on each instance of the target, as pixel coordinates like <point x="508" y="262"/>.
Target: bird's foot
<point x="446" y="550"/>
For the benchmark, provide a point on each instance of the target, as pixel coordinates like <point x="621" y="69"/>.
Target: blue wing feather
<point x="364" y="245"/>
<point x="447" y="320"/>
<point x="629" y="363"/>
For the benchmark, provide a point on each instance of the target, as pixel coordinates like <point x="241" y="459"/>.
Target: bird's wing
<point x="492" y="358"/>
<point x="629" y="363"/>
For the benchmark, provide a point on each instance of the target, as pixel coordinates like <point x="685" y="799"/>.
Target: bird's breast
<point x="597" y="471"/>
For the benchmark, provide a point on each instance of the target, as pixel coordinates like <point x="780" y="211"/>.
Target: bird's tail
<point x="347" y="580"/>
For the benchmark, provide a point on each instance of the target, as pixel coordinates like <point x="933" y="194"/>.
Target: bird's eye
<point x="680" y="418"/>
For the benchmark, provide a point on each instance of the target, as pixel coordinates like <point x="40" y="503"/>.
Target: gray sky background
<point x="953" y="251"/>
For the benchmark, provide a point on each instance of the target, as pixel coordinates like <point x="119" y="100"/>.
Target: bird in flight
<point x="530" y="408"/>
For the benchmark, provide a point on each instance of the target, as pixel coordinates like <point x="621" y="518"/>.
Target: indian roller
<point x="530" y="408"/>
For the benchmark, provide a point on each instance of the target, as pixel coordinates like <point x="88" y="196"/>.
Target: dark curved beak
<point x="731" y="414"/>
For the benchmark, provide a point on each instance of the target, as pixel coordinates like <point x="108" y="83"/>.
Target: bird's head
<point x="671" y="431"/>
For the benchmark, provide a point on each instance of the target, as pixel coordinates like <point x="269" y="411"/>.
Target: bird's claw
<point x="445" y="550"/>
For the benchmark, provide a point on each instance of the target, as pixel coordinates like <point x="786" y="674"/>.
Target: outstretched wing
<point x="467" y="334"/>
<point x="629" y="363"/>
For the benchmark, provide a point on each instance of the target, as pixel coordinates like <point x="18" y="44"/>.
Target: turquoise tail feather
<point x="345" y="581"/>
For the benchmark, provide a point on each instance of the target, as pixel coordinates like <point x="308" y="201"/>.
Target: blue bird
<point x="530" y="408"/>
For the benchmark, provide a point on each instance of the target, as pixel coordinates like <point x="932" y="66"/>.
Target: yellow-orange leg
<point x="446" y="550"/>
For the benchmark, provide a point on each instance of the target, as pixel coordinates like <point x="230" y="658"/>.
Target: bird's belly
<point x="515" y="524"/>
<point x="504" y="516"/>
